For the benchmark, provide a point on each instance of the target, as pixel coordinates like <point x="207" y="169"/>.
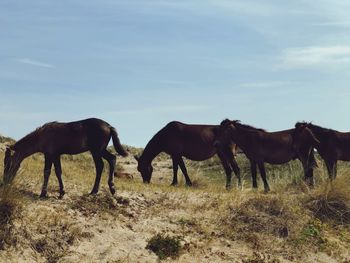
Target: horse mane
<point x="32" y="135"/>
<point x="225" y="122"/>
<point x="239" y="125"/>
<point x="300" y="124"/>
<point x="312" y="126"/>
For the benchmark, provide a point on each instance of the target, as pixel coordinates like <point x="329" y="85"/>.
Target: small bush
<point x="262" y="214"/>
<point x="9" y="209"/>
<point x="313" y="229"/>
<point x="331" y="201"/>
<point x="164" y="246"/>
<point x="53" y="239"/>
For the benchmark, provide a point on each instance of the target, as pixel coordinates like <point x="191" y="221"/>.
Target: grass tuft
<point x="164" y="246"/>
<point x="269" y="215"/>
<point x="331" y="201"/>
<point x="10" y="207"/>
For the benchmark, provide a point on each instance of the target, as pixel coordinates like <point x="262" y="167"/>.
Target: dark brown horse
<point x="54" y="139"/>
<point x="334" y="145"/>
<point x="271" y="147"/>
<point x="195" y="142"/>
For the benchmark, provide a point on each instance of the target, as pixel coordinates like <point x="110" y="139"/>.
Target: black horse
<point x="262" y="147"/>
<point x="55" y="138"/>
<point x="334" y="145"/>
<point x="195" y="142"/>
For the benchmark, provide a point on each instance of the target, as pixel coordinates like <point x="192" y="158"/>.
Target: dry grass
<point x="330" y="202"/>
<point x="287" y="224"/>
<point x="52" y="233"/>
<point x="164" y="246"/>
<point x="10" y="209"/>
<point x="268" y="215"/>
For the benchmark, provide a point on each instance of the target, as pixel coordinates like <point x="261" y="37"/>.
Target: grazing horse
<point x="55" y="138"/>
<point x="195" y="142"/>
<point x="272" y="147"/>
<point x="334" y="145"/>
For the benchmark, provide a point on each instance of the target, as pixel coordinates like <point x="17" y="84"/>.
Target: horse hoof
<point x="173" y="184"/>
<point x="93" y="192"/>
<point x="189" y="184"/>
<point x="43" y="196"/>
<point x="229" y="188"/>
<point x="61" y="195"/>
<point x="112" y="191"/>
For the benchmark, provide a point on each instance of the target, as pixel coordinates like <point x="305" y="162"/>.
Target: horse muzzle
<point x="146" y="181"/>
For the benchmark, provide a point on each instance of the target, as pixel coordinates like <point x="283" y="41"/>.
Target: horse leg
<point x="309" y="176"/>
<point x="263" y="176"/>
<point x="235" y="168"/>
<point x="47" y="171"/>
<point x="227" y="169"/>
<point x="111" y="159"/>
<point x="330" y="169"/>
<point x="253" y="171"/>
<point x="184" y="171"/>
<point x="308" y="173"/>
<point x="175" y="168"/>
<point x="58" y="171"/>
<point x="335" y="169"/>
<point x="99" y="168"/>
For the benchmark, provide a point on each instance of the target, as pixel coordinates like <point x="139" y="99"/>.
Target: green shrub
<point x="164" y="246"/>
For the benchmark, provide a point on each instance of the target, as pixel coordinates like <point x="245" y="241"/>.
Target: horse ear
<point x="225" y="122"/>
<point x="136" y="158"/>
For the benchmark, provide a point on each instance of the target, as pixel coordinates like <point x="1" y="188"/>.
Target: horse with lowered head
<point x="279" y="147"/>
<point x="195" y="142"/>
<point x="55" y="138"/>
<point x="334" y="145"/>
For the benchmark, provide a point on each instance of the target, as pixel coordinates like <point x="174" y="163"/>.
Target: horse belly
<point x="279" y="158"/>
<point x="342" y="152"/>
<point x="198" y="154"/>
<point x="72" y="146"/>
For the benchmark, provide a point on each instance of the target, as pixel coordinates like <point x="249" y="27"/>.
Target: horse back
<point x="193" y="141"/>
<point x="271" y="147"/>
<point x="75" y="137"/>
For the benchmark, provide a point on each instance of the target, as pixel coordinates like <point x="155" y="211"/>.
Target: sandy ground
<point x="105" y="228"/>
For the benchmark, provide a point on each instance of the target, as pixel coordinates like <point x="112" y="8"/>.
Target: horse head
<point x="11" y="164"/>
<point x="145" y="169"/>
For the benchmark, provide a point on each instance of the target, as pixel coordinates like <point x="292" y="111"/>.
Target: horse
<point x="195" y="142"/>
<point x="56" y="138"/>
<point x="278" y="147"/>
<point x="334" y="145"/>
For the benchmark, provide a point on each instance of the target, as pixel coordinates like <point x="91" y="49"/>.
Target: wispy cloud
<point x="266" y="84"/>
<point x="245" y="7"/>
<point x="333" y="24"/>
<point x="314" y="56"/>
<point x="164" y="109"/>
<point x="33" y="62"/>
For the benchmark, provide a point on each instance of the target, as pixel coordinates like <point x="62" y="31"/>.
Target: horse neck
<point x="27" y="146"/>
<point x="151" y="150"/>
<point x="318" y="131"/>
<point x="241" y="137"/>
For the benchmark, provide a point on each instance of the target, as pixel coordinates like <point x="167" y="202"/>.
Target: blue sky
<point x="140" y="64"/>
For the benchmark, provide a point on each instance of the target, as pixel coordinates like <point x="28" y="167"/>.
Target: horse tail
<point x="116" y="142"/>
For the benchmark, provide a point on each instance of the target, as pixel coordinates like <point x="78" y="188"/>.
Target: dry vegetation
<point x="204" y="223"/>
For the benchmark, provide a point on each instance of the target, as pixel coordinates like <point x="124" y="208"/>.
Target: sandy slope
<point x="102" y="228"/>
